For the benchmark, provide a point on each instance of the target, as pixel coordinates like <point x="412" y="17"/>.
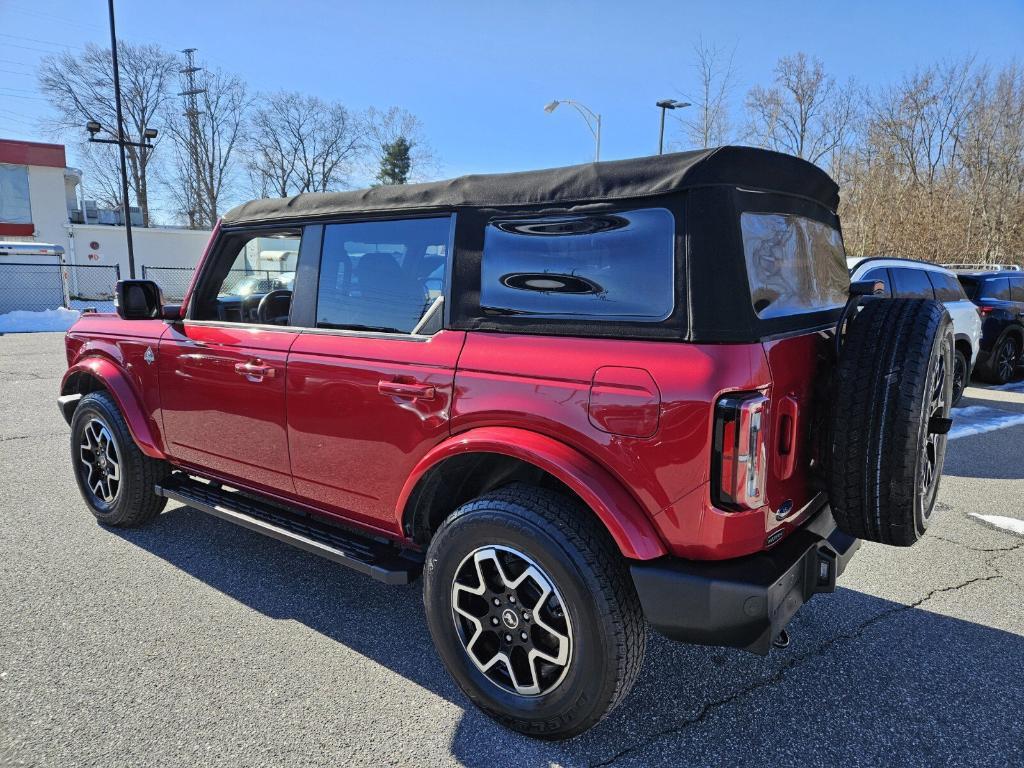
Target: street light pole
<point x="120" y="143"/>
<point x="590" y="117"/>
<point x="667" y="104"/>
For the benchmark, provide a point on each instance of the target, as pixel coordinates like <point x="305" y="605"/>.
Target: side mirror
<point x="138" y="300"/>
<point x="171" y="312"/>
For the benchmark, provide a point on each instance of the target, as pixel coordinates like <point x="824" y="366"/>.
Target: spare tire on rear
<point x="889" y="419"/>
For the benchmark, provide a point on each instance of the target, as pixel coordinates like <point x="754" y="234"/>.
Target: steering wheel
<point x="273" y="306"/>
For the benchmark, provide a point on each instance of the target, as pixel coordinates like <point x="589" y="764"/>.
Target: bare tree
<point x="710" y="125"/>
<point x="81" y="88"/>
<point x="207" y="145"/>
<point x="302" y="144"/>
<point x="804" y="113"/>
<point x="385" y="127"/>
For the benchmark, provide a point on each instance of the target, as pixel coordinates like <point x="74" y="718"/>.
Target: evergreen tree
<point x="395" y="162"/>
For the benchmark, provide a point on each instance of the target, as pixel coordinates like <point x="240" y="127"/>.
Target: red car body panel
<point x="549" y="386"/>
<point x="617" y="509"/>
<point x="113" y="351"/>
<point x="362" y="412"/>
<point x="348" y="424"/>
<point x="223" y="401"/>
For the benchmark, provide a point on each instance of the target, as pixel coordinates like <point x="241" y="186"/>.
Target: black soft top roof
<point x="746" y="167"/>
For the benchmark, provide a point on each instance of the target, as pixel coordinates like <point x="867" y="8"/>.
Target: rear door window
<point x="794" y="264"/>
<point x="911" y="284"/>
<point x="1017" y="288"/>
<point x="996" y="288"/>
<point x="383" y="276"/>
<point x="947" y="287"/>
<point x="608" y="266"/>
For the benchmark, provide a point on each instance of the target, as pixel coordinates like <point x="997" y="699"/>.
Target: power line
<point x="43" y="42"/>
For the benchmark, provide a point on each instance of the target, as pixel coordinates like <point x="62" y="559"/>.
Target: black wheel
<point x="1004" y="361"/>
<point x="959" y="375"/>
<point x="894" y="391"/>
<point x="532" y="609"/>
<point x="116" y="478"/>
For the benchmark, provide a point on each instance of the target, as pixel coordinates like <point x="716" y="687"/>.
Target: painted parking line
<point x="978" y="419"/>
<point x="1010" y="524"/>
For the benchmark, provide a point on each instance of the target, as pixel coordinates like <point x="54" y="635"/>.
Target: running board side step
<point x="375" y="557"/>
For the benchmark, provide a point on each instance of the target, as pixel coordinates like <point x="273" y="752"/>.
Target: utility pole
<point x="190" y="92"/>
<point x="120" y="143"/>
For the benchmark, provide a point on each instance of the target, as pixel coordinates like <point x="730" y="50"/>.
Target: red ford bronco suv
<point x="579" y="401"/>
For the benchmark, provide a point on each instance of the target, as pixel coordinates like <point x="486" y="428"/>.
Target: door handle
<point x="402" y="389"/>
<point x="255" y="371"/>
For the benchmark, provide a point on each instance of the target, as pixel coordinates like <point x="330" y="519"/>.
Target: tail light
<point x="985" y="311"/>
<point x="739" y="461"/>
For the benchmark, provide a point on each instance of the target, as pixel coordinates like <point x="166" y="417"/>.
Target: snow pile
<point x="20" y="321"/>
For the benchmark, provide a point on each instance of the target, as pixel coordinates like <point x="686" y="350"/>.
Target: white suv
<point x="905" y="278"/>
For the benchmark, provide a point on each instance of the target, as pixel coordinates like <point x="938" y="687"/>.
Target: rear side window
<point x="947" y="287"/>
<point x="1017" y="288"/>
<point x="614" y="266"/>
<point x="997" y="288"/>
<point x="970" y="286"/>
<point x="911" y="284"/>
<point x="794" y="264"/>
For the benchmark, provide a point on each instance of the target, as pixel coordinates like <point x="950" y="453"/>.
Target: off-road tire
<point x="994" y="371"/>
<point x="564" y="539"/>
<point x="893" y="375"/>
<point x="135" y="503"/>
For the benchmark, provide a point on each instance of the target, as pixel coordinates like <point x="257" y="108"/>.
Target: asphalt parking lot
<point x="193" y="642"/>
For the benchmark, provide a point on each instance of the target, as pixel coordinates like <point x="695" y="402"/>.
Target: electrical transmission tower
<point x="196" y="213"/>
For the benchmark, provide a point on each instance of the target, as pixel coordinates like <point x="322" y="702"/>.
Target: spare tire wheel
<point x="890" y="416"/>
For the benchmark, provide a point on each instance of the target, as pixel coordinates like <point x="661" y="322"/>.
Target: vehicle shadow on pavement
<point x="866" y="681"/>
<point x="988" y="456"/>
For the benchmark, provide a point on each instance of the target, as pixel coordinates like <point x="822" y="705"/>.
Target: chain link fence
<point x="38" y="287"/>
<point x="174" y="281"/>
<point x="91" y="285"/>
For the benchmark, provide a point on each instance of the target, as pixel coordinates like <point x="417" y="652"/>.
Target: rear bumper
<point x="743" y="603"/>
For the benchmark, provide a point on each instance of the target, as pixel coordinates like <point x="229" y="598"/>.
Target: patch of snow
<point x="982" y="419"/>
<point x="20" y="321"/>
<point x="1011" y="524"/>
<point x="1013" y="386"/>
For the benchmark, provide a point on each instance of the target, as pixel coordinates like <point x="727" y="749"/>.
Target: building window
<point x="14" y="201"/>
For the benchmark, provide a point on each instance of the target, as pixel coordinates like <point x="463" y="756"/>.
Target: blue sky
<point x="478" y="73"/>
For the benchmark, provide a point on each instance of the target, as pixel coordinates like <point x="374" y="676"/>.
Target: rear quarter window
<point x="947" y="287"/>
<point x="970" y="285"/>
<point x="608" y="266"/>
<point x="910" y="283"/>
<point x="795" y="264"/>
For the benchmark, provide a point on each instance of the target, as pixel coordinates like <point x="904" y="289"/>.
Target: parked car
<point x="999" y="296"/>
<point x="641" y="391"/>
<point x="907" y="279"/>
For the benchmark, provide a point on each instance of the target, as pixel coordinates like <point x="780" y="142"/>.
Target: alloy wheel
<point x="938" y="408"/>
<point x="959" y="376"/>
<point x="511" y="620"/>
<point x="100" y="461"/>
<point x="1007" y="361"/>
